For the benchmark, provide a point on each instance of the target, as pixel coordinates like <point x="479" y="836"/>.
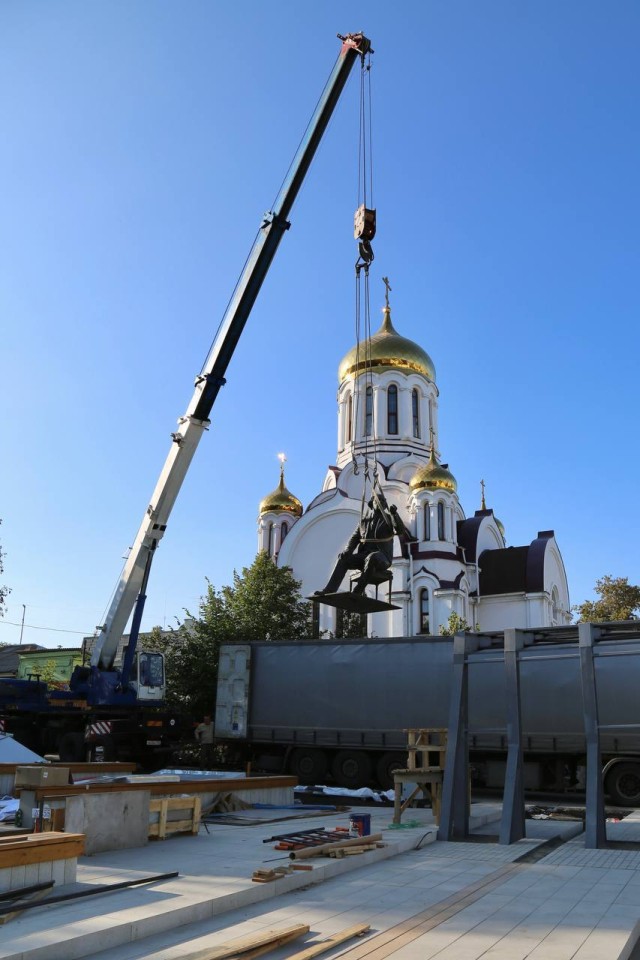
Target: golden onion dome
<point x="387" y="350"/>
<point x="500" y="526"/>
<point x="281" y="500"/>
<point x="433" y="476"/>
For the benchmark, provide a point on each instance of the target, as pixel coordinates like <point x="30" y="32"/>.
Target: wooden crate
<point x="189" y="823"/>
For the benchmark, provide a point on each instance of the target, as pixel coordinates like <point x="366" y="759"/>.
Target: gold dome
<point x="387" y="350"/>
<point x="281" y="500"/>
<point x="433" y="476"/>
<point x="499" y="525"/>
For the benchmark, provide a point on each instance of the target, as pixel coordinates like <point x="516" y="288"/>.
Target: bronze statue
<point x="370" y="548"/>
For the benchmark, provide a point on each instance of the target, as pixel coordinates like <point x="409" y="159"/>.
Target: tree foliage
<point x="4" y="591"/>
<point x="264" y="603"/>
<point x="455" y="624"/>
<point x="618" y="600"/>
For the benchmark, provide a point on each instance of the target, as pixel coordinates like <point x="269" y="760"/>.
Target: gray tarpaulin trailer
<point x="341" y="707"/>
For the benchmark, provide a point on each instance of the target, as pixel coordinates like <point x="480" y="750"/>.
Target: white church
<point x="388" y="418"/>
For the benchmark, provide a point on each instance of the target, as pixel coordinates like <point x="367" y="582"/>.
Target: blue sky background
<point x="142" y="141"/>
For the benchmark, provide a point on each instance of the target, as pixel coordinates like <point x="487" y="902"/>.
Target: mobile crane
<point x="121" y="710"/>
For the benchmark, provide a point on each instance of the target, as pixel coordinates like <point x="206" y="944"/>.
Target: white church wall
<point x="555" y="578"/>
<point x="495" y="613"/>
<point x="312" y="546"/>
<point x="489" y="537"/>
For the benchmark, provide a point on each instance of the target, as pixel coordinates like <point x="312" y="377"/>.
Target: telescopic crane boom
<point x="131" y="589"/>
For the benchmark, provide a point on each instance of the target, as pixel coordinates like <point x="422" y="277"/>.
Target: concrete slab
<point x="423" y="898"/>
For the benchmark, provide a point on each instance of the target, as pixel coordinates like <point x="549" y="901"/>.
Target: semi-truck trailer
<point x="340" y="709"/>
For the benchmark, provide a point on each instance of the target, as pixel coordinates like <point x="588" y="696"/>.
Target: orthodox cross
<point x="385" y="280"/>
<point x="433" y="444"/>
<point x="483" y="506"/>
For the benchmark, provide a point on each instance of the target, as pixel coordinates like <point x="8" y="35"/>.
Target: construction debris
<point x="323" y="850"/>
<point x="299" y="839"/>
<point x="315" y="949"/>
<point x="31" y="894"/>
<point x="251" y="946"/>
<point x="95" y="889"/>
<point x="341" y="851"/>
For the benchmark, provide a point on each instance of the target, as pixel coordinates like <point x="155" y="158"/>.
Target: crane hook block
<point x="364" y="223"/>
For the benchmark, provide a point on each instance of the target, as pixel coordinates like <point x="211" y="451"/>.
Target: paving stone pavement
<point x="453" y="901"/>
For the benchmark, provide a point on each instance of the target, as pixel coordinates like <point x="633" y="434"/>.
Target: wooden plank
<point x="323" y="850"/>
<point x="315" y="949"/>
<point x="162" y="823"/>
<point x="180" y="803"/>
<point x="251" y="946"/>
<point x="269" y="947"/>
<point x="25" y="853"/>
<point x="197" y="808"/>
<point x="165" y="827"/>
<point x="37" y="895"/>
<point x="165" y="789"/>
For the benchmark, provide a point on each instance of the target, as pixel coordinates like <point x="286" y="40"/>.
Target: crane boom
<point x="131" y="588"/>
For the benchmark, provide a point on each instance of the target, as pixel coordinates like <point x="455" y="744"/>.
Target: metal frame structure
<point x="454" y="820"/>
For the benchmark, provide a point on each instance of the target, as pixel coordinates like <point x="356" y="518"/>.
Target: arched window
<point x="415" y="410"/>
<point x="348" y="430"/>
<point x="270" y="541"/>
<point x="427" y="521"/>
<point x="368" y="411"/>
<point x="555" y="607"/>
<point x="284" y="530"/>
<point x="441" y="521"/>
<point x="392" y="409"/>
<point x="424" y="611"/>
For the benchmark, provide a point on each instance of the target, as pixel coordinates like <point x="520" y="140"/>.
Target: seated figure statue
<point x="370" y="548"/>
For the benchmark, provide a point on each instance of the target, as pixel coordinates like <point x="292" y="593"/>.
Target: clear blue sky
<point x="142" y="141"/>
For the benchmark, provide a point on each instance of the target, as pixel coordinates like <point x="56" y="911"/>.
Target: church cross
<point x="483" y="506"/>
<point x="385" y="280"/>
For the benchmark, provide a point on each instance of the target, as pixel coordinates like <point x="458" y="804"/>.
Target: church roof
<point x="387" y="350"/>
<point x="281" y="500"/>
<point x="433" y="476"/>
<point x="514" y="569"/>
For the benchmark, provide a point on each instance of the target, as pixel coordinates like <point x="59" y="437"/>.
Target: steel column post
<point x="512" y="825"/>
<point x="595" y="829"/>
<point x="454" y="812"/>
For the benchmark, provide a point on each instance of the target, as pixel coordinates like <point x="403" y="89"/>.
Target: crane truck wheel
<point x="351" y="769"/>
<point x="309" y="766"/>
<point x="623" y="784"/>
<point x="71" y="748"/>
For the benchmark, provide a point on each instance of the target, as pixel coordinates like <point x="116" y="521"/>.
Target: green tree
<point x="4" y="591"/>
<point x="264" y="603"/>
<point x="619" y="600"/>
<point x="350" y="625"/>
<point x="455" y="624"/>
<point x="191" y="654"/>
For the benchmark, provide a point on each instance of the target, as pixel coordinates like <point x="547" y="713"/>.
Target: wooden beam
<point x="251" y="946"/>
<point x="315" y="949"/>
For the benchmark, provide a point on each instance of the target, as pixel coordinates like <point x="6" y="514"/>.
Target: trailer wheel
<point x="623" y="784"/>
<point x="385" y="767"/>
<point x="351" y="769"/>
<point x="308" y="765"/>
<point x="71" y="748"/>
